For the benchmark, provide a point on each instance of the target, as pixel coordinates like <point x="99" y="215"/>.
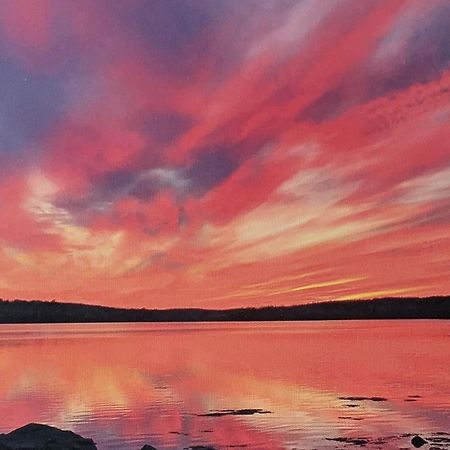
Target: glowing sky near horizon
<point x="223" y="153"/>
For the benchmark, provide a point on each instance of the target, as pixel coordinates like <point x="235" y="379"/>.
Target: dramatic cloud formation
<point x="224" y="153"/>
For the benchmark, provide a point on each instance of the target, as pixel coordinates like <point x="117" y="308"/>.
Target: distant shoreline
<point x="36" y="311"/>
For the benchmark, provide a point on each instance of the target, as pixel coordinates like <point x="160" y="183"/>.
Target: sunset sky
<point x="177" y="153"/>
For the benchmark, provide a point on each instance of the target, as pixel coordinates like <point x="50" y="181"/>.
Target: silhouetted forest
<point x="20" y="311"/>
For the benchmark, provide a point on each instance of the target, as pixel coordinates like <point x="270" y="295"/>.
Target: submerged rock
<point x="200" y="447"/>
<point x="347" y="440"/>
<point x="35" y="436"/>
<point x="417" y="441"/>
<point x="350" y="418"/>
<point x="360" y="399"/>
<point x="235" y="412"/>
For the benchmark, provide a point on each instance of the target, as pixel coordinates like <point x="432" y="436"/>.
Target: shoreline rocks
<point x="36" y="436"/>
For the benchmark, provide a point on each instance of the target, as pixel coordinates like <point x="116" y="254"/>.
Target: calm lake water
<point x="179" y="385"/>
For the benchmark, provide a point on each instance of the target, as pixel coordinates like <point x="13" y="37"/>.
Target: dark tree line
<point x="20" y="311"/>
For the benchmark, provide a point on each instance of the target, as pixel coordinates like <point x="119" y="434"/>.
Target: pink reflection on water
<point x="127" y="384"/>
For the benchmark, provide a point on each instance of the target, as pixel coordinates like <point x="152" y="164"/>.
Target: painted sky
<point x="222" y="153"/>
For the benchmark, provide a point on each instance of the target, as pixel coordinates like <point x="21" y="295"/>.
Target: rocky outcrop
<point x="43" y="437"/>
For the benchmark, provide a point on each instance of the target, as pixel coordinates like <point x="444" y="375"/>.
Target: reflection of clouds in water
<point x="154" y="383"/>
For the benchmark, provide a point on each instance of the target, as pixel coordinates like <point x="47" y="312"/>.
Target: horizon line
<point x="320" y="302"/>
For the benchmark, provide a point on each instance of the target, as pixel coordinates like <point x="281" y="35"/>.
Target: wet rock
<point x="355" y="441"/>
<point x="148" y="447"/>
<point x="417" y="441"/>
<point x="200" y="447"/>
<point x="235" y="412"/>
<point x="360" y="399"/>
<point x="43" y="437"/>
<point x="440" y="440"/>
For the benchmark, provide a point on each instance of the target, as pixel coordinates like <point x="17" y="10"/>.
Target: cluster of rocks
<point x="36" y="436"/>
<point x="43" y="437"/>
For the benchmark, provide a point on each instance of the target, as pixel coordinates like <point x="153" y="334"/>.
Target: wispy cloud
<point x="239" y="153"/>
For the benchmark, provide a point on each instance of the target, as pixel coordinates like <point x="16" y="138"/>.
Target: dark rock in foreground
<point x="417" y="441"/>
<point x="145" y="447"/>
<point x="43" y="437"/>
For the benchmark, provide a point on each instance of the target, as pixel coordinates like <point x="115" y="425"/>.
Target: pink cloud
<point x="194" y="157"/>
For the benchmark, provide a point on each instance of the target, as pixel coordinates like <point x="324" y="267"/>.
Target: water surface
<point x="179" y="385"/>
